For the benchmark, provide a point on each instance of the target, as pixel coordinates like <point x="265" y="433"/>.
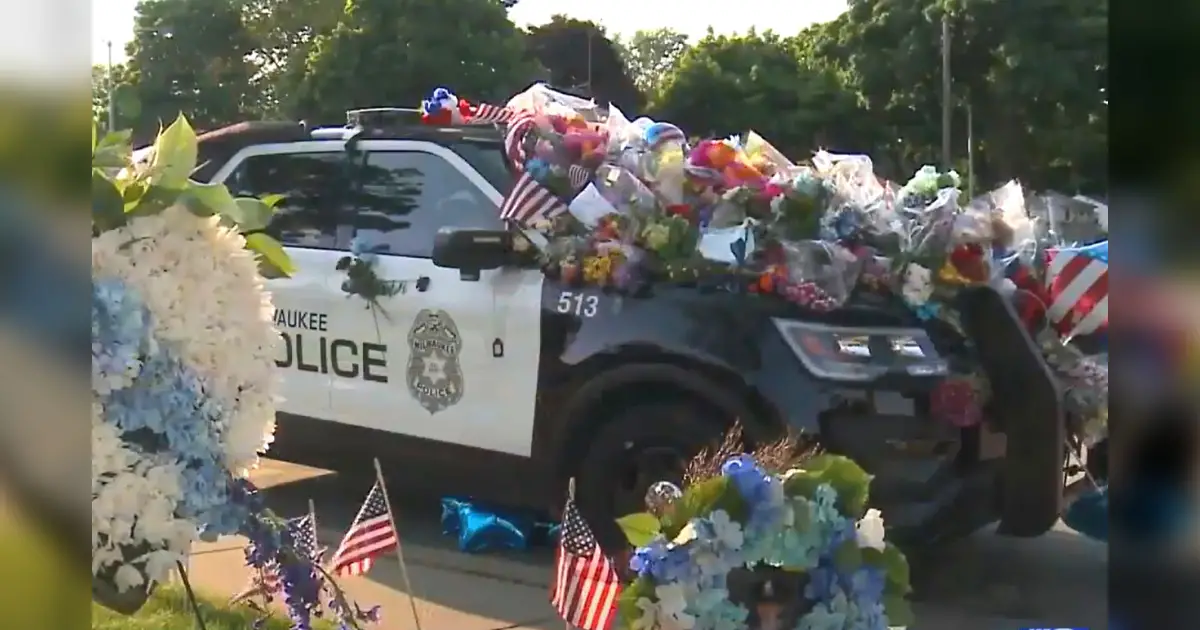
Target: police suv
<point x="483" y="377"/>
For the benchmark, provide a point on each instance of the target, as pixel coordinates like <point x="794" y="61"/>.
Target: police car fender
<point x="455" y="363"/>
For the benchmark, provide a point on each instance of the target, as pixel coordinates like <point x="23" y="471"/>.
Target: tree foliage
<point x="1033" y="74"/>
<point x="582" y="59"/>
<point x="393" y="52"/>
<point x="650" y="56"/>
<point x="191" y="57"/>
<point x="725" y="85"/>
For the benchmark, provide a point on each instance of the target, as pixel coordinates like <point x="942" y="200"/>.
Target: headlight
<point x="843" y="353"/>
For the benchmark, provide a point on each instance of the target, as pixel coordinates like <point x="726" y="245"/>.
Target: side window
<point x="406" y="196"/>
<point x="309" y="183"/>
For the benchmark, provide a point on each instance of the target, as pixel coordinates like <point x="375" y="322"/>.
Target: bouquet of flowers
<point x="760" y="541"/>
<point x="183" y="374"/>
<point x="923" y="187"/>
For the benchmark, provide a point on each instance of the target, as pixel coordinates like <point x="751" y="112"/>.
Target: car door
<point x="461" y="356"/>
<point x="308" y="175"/>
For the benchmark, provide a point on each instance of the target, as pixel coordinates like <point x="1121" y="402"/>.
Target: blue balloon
<point x="478" y="528"/>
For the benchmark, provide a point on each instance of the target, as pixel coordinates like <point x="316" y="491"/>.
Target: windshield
<point x="488" y="159"/>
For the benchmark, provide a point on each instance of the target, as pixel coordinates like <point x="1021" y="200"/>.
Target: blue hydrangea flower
<point x="722" y="615"/>
<point x="120" y="333"/>
<point x="537" y="168"/>
<point x="664" y="563"/>
<point x="826" y="615"/>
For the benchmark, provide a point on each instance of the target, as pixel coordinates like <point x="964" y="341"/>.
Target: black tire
<point x="620" y="462"/>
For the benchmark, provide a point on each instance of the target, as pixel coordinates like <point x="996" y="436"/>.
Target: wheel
<point x="641" y="445"/>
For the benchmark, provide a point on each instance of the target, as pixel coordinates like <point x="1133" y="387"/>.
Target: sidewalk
<point x="446" y="599"/>
<point x="455" y="591"/>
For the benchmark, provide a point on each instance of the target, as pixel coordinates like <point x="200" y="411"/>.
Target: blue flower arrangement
<point x="748" y="543"/>
<point x="182" y="380"/>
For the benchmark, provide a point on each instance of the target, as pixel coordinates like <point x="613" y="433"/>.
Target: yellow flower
<point x="596" y="269"/>
<point x="950" y="275"/>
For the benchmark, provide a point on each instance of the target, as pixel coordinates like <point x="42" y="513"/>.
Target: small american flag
<point x="579" y="176"/>
<point x="485" y="113"/>
<point x="371" y="535"/>
<point x="1077" y="280"/>
<point x="585" y="586"/>
<point x="529" y="201"/>
<point x="519" y="126"/>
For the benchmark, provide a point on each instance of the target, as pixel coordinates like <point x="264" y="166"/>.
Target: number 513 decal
<point x="578" y="304"/>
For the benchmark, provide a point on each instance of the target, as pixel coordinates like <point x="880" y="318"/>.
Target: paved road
<point x="983" y="583"/>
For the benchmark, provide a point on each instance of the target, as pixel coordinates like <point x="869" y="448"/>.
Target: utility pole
<point x="970" y="151"/>
<point x="945" y="91"/>
<point x="112" y="101"/>
<point x="589" y="67"/>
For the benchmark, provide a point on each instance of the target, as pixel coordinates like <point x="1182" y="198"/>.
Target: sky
<point x="112" y="20"/>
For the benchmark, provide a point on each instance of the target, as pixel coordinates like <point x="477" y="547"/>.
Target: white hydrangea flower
<point x="209" y="302"/>
<point x="869" y="531"/>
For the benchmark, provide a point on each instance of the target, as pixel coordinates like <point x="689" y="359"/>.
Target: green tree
<point x="650" y="55"/>
<point x="727" y="84"/>
<point x="283" y="33"/>
<point x="393" y="52"/>
<point x="1033" y="74"/>
<point x="582" y="59"/>
<point x="127" y="106"/>
<point x="192" y="56"/>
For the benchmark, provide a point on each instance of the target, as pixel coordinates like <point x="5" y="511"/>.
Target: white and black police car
<point x="483" y="377"/>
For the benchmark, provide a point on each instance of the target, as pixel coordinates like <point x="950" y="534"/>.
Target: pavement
<point x="986" y="582"/>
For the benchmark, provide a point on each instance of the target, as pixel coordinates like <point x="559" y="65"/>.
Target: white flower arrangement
<point x="183" y="381"/>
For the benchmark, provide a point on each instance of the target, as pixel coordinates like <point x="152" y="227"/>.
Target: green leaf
<point x="175" y="153"/>
<point x="847" y="557"/>
<point x="108" y="209"/>
<point x="271" y="200"/>
<point x="249" y="214"/>
<point x="209" y="199"/>
<point x="627" y="601"/>
<point x="93" y="138"/>
<point x="848" y="478"/>
<point x="113" y="150"/>
<point x="802" y="483"/>
<point x="896" y="570"/>
<point x="149" y="200"/>
<point x="639" y="528"/>
<point x="701" y="499"/>
<point x="898" y="610"/>
<point x="271" y="252"/>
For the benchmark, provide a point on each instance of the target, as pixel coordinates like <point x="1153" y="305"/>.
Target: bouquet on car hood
<point x="644" y="205"/>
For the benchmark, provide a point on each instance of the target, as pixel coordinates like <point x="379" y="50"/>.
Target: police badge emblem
<point x="435" y="377"/>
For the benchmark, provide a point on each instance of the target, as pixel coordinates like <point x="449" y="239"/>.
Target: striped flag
<point x="579" y="176"/>
<point x="1077" y="281"/>
<point x="485" y="113"/>
<point x="371" y="535"/>
<point x="529" y="201"/>
<point x="585" y="585"/>
<point x="519" y="126"/>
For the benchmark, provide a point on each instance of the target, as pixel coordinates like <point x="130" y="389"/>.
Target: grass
<point x="169" y="609"/>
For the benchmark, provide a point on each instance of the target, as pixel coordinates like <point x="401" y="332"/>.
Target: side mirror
<point x="472" y="250"/>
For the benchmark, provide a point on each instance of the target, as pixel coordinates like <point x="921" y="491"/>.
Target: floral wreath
<point x="754" y="542"/>
<point x="183" y="378"/>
